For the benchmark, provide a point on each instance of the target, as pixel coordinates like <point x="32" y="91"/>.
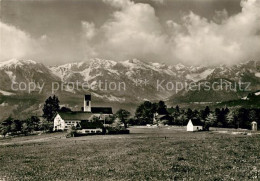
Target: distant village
<point x="101" y="120"/>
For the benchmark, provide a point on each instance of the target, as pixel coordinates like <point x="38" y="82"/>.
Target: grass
<point x="145" y="154"/>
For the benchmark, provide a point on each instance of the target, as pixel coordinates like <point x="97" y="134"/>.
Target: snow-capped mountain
<point x="140" y="82"/>
<point x="140" y="78"/>
<point x="17" y="71"/>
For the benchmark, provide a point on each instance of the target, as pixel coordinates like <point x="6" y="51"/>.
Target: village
<point x="91" y="120"/>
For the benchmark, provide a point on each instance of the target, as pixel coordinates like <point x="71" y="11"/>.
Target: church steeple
<point x="87" y="103"/>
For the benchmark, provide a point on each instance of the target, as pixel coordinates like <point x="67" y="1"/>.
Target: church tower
<point x="87" y="103"/>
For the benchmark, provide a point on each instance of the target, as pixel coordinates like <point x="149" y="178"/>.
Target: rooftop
<point x="75" y="115"/>
<point x="101" y="110"/>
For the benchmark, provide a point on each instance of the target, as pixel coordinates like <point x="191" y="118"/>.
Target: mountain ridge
<point x="140" y="80"/>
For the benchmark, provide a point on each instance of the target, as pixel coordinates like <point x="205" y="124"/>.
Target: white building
<point x="254" y="126"/>
<point x="194" y="125"/>
<point x="64" y="120"/>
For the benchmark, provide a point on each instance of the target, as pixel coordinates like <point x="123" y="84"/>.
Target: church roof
<point x="101" y="110"/>
<point x="75" y="115"/>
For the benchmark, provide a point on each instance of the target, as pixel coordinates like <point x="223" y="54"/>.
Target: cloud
<point x="119" y="3"/>
<point x="236" y="39"/>
<point x="88" y="29"/>
<point x="158" y="1"/>
<point x="134" y="31"/>
<point x="15" y="43"/>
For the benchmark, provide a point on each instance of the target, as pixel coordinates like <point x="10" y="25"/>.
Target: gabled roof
<point x="101" y="110"/>
<point x="75" y="115"/>
<point x="163" y="117"/>
<point x="196" y="122"/>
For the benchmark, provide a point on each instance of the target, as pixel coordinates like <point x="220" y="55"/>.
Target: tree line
<point x="33" y="123"/>
<point x="144" y="114"/>
<point x="218" y="117"/>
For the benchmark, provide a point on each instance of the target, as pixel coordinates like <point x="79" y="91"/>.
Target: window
<point x="87" y="103"/>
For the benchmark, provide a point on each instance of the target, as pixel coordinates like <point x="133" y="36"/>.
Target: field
<point x="145" y="154"/>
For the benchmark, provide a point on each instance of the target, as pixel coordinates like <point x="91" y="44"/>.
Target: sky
<point x="192" y="32"/>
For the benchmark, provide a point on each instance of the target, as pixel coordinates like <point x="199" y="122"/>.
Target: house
<point x="161" y="119"/>
<point x="194" y="125"/>
<point x="64" y="120"/>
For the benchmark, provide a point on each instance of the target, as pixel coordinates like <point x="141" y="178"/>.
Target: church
<point x="64" y="120"/>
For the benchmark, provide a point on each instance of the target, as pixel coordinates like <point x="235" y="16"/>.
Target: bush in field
<point x="26" y="128"/>
<point x="46" y="126"/>
<point x="72" y="131"/>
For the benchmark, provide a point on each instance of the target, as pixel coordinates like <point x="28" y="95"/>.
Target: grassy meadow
<point x="145" y="154"/>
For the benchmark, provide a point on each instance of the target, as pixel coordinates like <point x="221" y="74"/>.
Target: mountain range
<point x="118" y="83"/>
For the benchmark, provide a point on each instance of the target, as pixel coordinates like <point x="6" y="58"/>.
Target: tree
<point x="204" y="113"/>
<point x="252" y="115"/>
<point x="177" y="108"/>
<point x="110" y="119"/>
<point x="210" y="121"/>
<point x="196" y="114"/>
<point x="122" y="115"/>
<point x="6" y="126"/>
<point x="27" y="126"/>
<point x="132" y="121"/>
<point x="16" y="126"/>
<point x="189" y="113"/>
<point x="161" y="108"/>
<point x="145" y="112"/>
<point x="182" y="119"/>
<point x="34" y="122"/>
<point x="50" y="108"/>
<point x="243" y="118"/>
<point x="230" y="119"/>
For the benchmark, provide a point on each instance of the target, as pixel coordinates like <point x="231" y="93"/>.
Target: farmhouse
<point x="64" y="120"/>
<point x="194" y="125"/>
<point x="163" y="117"/>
